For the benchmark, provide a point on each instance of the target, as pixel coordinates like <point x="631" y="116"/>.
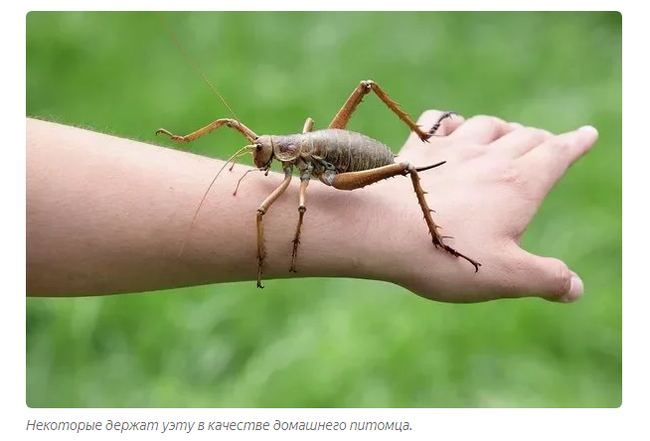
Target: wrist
<point x="356" y="234"/>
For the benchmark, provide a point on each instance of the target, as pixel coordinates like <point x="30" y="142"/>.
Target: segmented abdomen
<point x="347" y="151"/>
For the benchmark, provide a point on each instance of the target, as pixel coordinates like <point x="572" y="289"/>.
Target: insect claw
<point x="171" y="136"/>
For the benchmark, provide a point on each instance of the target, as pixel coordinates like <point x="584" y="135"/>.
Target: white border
<point x="437" y="423"/>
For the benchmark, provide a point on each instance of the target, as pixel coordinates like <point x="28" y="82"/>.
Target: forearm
<point x="109" y="215"/>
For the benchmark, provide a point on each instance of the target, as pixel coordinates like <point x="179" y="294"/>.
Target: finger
<point x="520" y="141"/>
<point x="546" y="277"/>
<point x="482" y="129"/>
<point x="426" y="121"/>
<point x="547" y="162"/>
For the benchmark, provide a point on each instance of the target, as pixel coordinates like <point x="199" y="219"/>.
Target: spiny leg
<point x="261" y="211"/>
<point x="433" y="228"/>
<point x="229" y="122"/>
<point x="304" y="182"/>
<point x="354" y="180"/>
<point x="432" y="131"/>
<point x="342" y="118"/>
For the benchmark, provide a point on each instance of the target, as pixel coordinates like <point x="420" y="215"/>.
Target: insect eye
<point x="258" y="147"/>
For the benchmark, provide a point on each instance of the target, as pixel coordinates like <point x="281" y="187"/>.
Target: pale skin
<point x="107" y="215"/>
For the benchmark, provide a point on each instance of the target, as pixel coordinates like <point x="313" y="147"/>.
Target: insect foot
<point x="437" y="242"/>
<point x="171" y="135"/>
<point x="432" y="132"/>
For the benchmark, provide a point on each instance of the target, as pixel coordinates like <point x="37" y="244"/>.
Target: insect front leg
<point x="354" y="180"/>
<point x="229" y="122"/>
<point x="261" y="211"/>
<point x="342" y="118"/>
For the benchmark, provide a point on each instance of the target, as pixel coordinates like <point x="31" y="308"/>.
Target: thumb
<point x="548" y="278"/>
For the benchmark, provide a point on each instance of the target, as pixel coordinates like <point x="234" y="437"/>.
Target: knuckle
<point x="471" y="151"/>
<point x="560" y="143"/>
<point x="430" y="115"/>
<point x="517" y="182"/>
<point x="486" y="120"/>
<point x="559" y="281"/>
<point x="542" y="132"/>
<point x="513" y="177"/>
<point x="538" y="134"/>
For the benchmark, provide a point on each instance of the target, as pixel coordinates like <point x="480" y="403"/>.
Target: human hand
<point x="495" y="177"/>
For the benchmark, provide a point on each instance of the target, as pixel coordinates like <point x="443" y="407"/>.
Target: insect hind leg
<point x="433" y="228"/>
<point x="354" y="180"/>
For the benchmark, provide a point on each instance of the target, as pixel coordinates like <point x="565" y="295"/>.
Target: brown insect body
<point x="324" y="153"/>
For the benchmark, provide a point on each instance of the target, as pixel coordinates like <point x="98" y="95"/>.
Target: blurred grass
<point x="322" y="342"/>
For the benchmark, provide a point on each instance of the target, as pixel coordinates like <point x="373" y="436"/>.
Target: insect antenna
<point x="234" y="157"/>
<point x="194" y="64"/>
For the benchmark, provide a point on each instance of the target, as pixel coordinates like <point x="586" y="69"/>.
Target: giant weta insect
<point x="338" y="157"/>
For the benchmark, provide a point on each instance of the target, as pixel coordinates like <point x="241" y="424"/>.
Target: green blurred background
<point x="339" y="342"/>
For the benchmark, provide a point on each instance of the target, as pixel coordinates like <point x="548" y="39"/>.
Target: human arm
<point x="107" y="215"/>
